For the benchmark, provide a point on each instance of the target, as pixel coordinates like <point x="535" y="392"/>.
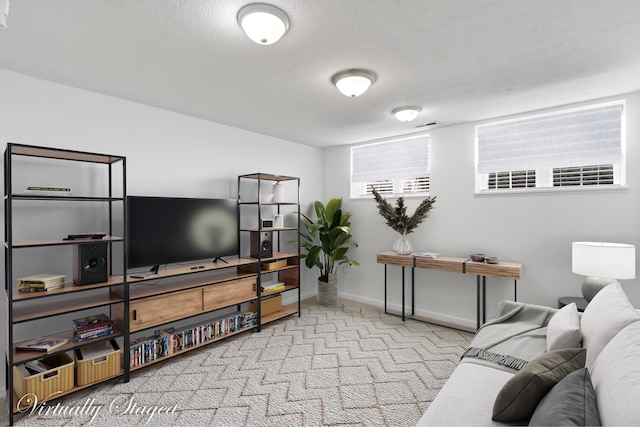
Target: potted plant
<point x="397" y="218"/>
<point x="326" y="241"/>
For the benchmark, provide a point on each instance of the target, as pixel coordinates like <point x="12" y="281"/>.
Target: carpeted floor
<point x="348" y="365"/>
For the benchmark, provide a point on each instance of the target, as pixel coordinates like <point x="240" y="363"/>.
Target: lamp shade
<point x="263" y="23"/>
<point x="353" y="83"/>
<point x="605" y="260"/>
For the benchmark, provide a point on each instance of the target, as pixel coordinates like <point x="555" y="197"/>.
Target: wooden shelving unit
<point x="287" y="310"/>
<point x="29" y="307"/>
<point x="219" y="292"/>
<point x="25" y="356"/>
<point x="254" y="208"/>
<point x="160" y="359"/>
<point x="185" y="292"/>
<point x="43" y="309"/>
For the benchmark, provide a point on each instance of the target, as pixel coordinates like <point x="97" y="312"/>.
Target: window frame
<point x="545" y="176"/>
<point x="361" y="190"/>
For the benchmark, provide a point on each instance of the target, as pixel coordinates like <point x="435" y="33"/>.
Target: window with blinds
<point x="572" y="148"/>
<point x="512" y="179"/>
<point x="398" y="167"/>
<point x="584" y="175"/>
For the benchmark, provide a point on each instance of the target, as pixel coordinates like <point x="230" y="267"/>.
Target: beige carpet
<point x="348" y="365"/>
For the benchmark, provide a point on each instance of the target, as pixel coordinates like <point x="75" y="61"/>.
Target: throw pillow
<point x="519" y="397"/>
<point x="571" y="402"/>
<point x="616" y="378"/>
<point x="563" y="330"/>
<point x="606" y="315"/>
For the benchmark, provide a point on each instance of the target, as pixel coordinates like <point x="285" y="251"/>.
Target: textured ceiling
<point x="460" y="60"/>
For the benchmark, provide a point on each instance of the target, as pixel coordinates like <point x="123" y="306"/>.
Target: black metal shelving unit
<point x="22" y="308"/>
<point x="252" y="205"/>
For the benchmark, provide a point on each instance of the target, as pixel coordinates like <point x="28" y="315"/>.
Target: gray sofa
<point x="511" y="370"/>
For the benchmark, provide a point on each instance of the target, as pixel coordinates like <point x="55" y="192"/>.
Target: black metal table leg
<point x="403" y="317"/>
<point x="413" y="291"/>
<point x="478" y="302"/>
<point x="484" y="299"/>
<point x="385" y="289"/>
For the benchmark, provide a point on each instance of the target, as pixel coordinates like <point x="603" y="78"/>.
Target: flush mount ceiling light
<point x="406" y="114"/>
<point x="263" y="23"/>
<point x="353" y="82"/>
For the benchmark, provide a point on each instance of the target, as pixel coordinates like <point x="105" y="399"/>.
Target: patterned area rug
<point x="345" y="365"/>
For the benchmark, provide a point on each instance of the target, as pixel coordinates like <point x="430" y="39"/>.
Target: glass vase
<point x="403" y="246"/>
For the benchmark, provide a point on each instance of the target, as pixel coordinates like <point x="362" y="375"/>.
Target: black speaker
<point x="91" y="263"/>
<point x="261" y="246"/>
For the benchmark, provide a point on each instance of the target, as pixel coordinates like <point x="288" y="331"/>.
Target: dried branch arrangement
<point x="396" y="217"/>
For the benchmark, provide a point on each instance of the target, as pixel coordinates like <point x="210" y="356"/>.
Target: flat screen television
<point x="166" y="230"/>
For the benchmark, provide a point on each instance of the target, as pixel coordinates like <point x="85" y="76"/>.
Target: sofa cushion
<point x="616" y="378"/>
<point x="467" y="397"/>
<point x="571" y="402"/>
<point x="563" y="330"/>
<point x="520" y="395"/>
<point x="606" y="315"/>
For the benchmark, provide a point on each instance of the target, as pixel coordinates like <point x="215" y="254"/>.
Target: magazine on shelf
<point x="431" y="255"/>
<point x="45" y="344"/>
<point x="37" y="366"/>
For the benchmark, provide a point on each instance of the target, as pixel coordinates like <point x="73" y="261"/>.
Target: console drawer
<point x="152" y="311"/>
<point x="229" y="293"/>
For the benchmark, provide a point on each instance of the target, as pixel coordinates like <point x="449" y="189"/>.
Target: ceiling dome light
<point x="263" y="23"/>
<point x="406" y="114"/>
<point x="353" y="82"/>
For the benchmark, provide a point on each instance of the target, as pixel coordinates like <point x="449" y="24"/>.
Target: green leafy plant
<point x="327" y="238"/>
<point x="397" y="218"/>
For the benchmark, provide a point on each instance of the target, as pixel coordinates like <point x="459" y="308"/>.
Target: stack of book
<point x="272" y="286"/>
<point x="40" y="282"/>
<point x="48" y="191"/>
<point x="87" y="328"/>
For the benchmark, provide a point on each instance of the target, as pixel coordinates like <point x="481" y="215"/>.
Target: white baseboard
<point x="429" y="316"/>
<point x="292" y="298"/>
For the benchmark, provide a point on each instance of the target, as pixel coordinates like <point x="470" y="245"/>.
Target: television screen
<point x="165" y="230"/>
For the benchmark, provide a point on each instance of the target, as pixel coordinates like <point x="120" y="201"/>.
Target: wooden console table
<point x="504" y="269"/>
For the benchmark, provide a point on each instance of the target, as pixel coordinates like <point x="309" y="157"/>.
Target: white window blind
<point x="400" y="159"/>
<point x="584" y="176"/>
<point x="569" y="139"/>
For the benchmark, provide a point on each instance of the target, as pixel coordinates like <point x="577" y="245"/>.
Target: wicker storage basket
<point x="48" y="383"/>
<point x="268" y="305"/>
<point x="99" y="367"/>
<point x="266" y="265"/>
<point x="274" y="265"/>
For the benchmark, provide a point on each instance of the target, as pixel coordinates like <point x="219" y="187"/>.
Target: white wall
<point x="535" y="229"/>
<point x="173" y="154"/>
<point x="167" y="153"/>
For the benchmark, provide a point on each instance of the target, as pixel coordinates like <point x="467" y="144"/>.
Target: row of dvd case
<point x="165" y="342"/>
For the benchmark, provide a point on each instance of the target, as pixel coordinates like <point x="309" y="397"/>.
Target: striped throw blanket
<point x="514" y="338"/>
